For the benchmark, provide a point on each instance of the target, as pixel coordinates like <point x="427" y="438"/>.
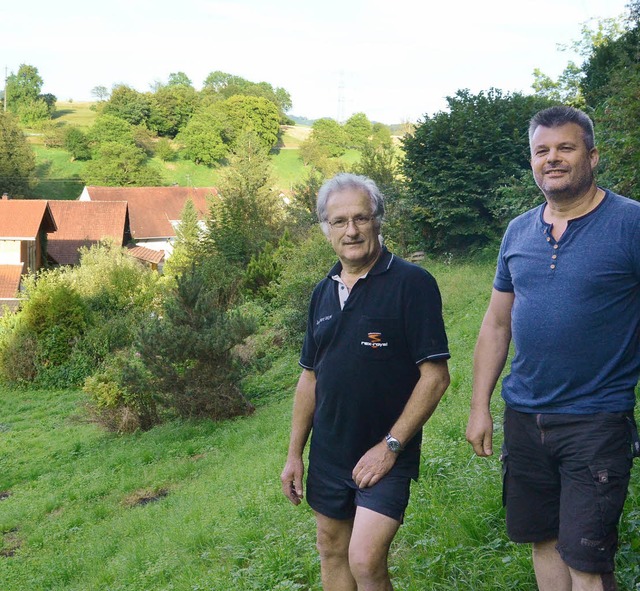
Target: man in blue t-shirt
<point x="374" y="369"/>
<point x="567" y="292"/>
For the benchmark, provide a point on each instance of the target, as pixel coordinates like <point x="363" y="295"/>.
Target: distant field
<point x="73" y="113"/>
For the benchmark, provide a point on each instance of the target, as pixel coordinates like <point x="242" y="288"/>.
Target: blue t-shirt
<point x="576" y="313"/>
<point x="365" y="358"/>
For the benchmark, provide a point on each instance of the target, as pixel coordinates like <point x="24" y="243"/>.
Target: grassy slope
<point x="68" y="524"/>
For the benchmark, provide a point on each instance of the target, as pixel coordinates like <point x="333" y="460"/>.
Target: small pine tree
<point x="188" y="351"/>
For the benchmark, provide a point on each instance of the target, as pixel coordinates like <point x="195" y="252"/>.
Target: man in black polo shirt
<point x="374" y="369"/>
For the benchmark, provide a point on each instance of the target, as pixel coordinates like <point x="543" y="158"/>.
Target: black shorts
<point x="566" y="478"/>
<point x="338" y="498"/>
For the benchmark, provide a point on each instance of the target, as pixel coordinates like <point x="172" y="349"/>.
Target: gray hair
<point x="347" y="180"/>
<point x="561" y="115"/>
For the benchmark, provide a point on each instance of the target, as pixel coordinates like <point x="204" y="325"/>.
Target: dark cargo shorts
<point x="566" y="478"/>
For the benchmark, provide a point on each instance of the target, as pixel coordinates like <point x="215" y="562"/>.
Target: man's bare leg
<point x="370" y="541"/>
<point x="333" y="539"/>
<point x="552" y="574"/>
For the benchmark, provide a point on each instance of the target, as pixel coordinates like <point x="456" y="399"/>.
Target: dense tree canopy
<point x="17" y="159"/>
<point x="120" y="165"/>
<point x="457" y="159"/>
<point x="24" y="98"/>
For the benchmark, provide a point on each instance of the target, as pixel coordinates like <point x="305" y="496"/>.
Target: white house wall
<point x="9" y="252"/>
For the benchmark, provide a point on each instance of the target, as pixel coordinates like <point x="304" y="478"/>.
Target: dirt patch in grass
<point x="10" y="543"/>
<point x="4" y="494"/>
<point x="144" y="497"/>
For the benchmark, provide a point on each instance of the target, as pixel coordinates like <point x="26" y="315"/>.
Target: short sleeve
<point x="502" y="280"/>
<point x="309" y="347"/>
<point x="424" y="325"/>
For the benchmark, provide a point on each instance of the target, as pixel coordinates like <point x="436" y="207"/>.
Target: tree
<point x="329" y="134"/>
<point x="565" y="90"/>
<point x="223" y="85"/>
<point x="570" y="86"/>
<point x="23" y="87"/>
<point x="358" y="129"/>
<point x="188" y="350"/>
<point x="117" y="164"/>
<point x="17" y="159"/>
<point x="109" y="128"/>
<point x="205" y="138"/>
<point x="179" y="79"/>
<point x="100" y="92"/>
<point x="186" y="247"/>
<point x="75" y="142"/>
<point x="248" y="214"/>
<point x="252" y="114"/>
<point x="172" y="107"/>
<point x="457" y="159"/>
<point x="128" y="104"/>
<point x="24" y="98"/>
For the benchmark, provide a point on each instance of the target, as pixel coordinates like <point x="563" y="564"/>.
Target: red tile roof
<point x="83" y="223"/>
<point x="21" y="219"/>
<point x="147" y="254"/>
<point x="151" y="209"/>
<point x="9" y="281"/>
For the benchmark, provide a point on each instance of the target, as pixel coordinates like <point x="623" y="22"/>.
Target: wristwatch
<point x="393" y="444"/>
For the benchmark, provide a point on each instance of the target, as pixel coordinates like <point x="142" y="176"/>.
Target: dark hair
<point x="561" y="115"/>
<point x="346" y="180"/>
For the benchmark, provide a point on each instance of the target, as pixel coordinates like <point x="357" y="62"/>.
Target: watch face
<point x="393" y="444"/>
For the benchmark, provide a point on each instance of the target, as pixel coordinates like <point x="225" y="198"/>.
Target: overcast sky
<point x="394" y="60"/>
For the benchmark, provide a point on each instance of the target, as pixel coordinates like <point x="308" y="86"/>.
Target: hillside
<point x="196" y="505"/>
<point x="60" y="178"/>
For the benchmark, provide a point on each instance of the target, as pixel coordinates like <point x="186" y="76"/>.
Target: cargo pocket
<point x="611" y="478"/>
<point x="635" y="438"/>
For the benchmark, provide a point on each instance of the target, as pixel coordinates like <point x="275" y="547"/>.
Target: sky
<point x="394" y="60"/>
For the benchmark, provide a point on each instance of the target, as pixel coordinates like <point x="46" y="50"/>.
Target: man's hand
<point x="373" y="465"/>
<point x="480" y="432"/>
<point x="291" y="479"/>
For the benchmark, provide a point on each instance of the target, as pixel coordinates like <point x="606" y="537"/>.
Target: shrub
<point x="75" y="142"/>
<point x="120" y="394"/>
<point x="302" y="268"/>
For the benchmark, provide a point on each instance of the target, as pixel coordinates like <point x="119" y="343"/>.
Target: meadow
<point x="61" y="178"/>
<point x="196" y="505"/>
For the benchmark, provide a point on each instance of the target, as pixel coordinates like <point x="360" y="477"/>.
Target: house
<point x="84" y="223"/>
<point x="24" y="227"/>
<point x="154" y="212"/>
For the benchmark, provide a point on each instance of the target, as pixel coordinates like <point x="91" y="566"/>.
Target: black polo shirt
<point x="365" y="359"/>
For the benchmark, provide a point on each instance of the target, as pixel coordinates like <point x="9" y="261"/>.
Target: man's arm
<point x="489" y="358"/>
<point x="304" y="405"/>
<point x="433" y="381"/>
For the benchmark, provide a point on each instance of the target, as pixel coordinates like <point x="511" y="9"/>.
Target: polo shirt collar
<point x="384" y="262"/>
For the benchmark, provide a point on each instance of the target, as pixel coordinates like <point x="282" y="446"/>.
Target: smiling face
<point x="357" y="247"/>
<point x="561" y="163"/>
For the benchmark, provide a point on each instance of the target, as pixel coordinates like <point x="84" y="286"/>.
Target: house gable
<point x="153" y="211"/>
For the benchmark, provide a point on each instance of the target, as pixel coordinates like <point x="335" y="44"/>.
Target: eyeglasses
<point x="360" y="221"/>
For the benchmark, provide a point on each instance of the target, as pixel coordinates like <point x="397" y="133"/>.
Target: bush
<point x="76" y="143"/>
<point x="120" y="394"/>
<point x="303" y="266"/>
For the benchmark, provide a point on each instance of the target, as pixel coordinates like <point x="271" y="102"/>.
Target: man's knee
<point x="332" y="542"/>
<point x="368" y="562"/>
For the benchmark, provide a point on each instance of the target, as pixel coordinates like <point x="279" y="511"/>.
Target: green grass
<point x="70" y="521"/>
<point x="72" y="113"/>
<point x="58" y="177"/>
